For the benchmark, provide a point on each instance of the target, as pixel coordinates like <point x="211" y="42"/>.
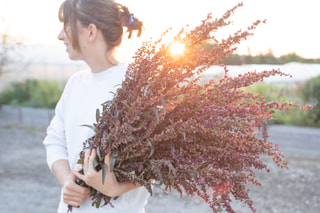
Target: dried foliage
<point x="197" y="139"/>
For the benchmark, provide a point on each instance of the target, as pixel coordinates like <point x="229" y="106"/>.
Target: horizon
<point x="287" y="29"/>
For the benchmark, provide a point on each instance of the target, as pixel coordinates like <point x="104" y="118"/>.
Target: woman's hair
<point x="108" y="16"/>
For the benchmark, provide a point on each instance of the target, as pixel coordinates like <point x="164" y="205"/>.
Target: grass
<point x="32" y="93"/>
<point x="284" y="93"/>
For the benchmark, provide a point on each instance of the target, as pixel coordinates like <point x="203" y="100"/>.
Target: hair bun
<point x="128" y="20"/>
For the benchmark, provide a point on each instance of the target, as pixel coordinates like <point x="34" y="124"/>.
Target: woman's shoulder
<point x="114" y="74"/>
<point x="76" y="78"/>
<point x="80" y="74"/>
<point x="120" y="69"/>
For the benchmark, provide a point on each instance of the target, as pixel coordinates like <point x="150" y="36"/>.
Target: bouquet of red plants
<point x="197" y="139"/>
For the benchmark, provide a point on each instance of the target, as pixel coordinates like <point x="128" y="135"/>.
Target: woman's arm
<point x="73" y="194"/>
<point x="111" y="187"/>
<point x="61" y="170"/>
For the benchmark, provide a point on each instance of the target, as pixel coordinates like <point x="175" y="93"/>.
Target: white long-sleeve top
<point x="84" y="92"/>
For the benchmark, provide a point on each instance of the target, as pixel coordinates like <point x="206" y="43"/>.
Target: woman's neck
<point x="96" y="68"/>
<point x="101" y="65"/>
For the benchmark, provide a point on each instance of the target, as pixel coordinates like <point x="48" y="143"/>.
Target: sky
<point x="292" y="25"/>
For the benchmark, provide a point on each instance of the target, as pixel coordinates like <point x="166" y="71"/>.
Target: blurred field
<point x="27" y="186"/>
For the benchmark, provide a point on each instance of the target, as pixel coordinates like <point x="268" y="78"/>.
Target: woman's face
<point x="64" y="36"/>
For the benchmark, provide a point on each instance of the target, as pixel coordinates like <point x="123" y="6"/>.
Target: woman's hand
<point x="93" y="178"/>
<point x="73" y="194"/>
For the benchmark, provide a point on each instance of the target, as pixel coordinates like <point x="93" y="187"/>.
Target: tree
<point x="7" y="45"/>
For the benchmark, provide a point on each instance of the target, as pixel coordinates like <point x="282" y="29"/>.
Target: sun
<point x="177" y="48"/>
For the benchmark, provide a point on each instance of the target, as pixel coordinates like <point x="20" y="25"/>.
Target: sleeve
<point x="55" y="140"/>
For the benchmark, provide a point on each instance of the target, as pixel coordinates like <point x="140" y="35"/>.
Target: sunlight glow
<point x="41" y="26"/>
<point x="177" y="48"/>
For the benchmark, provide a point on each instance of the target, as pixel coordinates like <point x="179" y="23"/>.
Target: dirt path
<point x="27" y="186"/>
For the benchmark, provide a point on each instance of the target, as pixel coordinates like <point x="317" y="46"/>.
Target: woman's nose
<point x="61" y="35"/>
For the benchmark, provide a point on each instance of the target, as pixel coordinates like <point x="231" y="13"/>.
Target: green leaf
<point x="112" y="162"/>
<point x="172" y="180"/>
<point x="191" y="174"/>
<point x="107" y="102"/>
<point x="201" y="92"/>
<point x="115" y="153"/>
<point x="117" y="85"/>
<point x="95" y="163"/>
<point x="146" y="89"/>
<point x="119" y="164"/>
<point x="156" y="113"/>
<point x="141" y="175"/>
<point x="127" y="105"/>
<point x="164" y="106"/>
<point x="152" y="149"/>
<point x="149" y="174"/>
<point x="80" y="161"/>
<point x="89" y="126"/>
<point x="99" y="154"/>
<point x="98" y="201"/>
<point x="171" y="121"/>
<point x="104" y="172"/>
<point x="132" y="173"/>
<point x="147" y="115"/>
<point x="180" y="97"/>
<point x="184" y="135"/>
<point x="172" y="149"/>
<point x="97" y="115"/>
<point x="116" y="112"/>
<point x="112" y="92"/>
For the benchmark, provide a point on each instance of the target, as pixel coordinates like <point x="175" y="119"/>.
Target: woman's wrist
<point x="110" y="187"/>
<point x="61" y="170"/>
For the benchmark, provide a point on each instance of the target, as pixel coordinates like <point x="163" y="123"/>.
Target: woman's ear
<point x="93" y="31"/>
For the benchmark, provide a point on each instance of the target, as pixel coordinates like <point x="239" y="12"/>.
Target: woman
<point x="92" y="29"/>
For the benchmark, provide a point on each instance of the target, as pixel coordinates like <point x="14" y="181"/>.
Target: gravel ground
<point x="27" y="186"/>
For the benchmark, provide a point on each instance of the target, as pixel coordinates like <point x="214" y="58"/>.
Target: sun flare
<point x="177" y="48"/>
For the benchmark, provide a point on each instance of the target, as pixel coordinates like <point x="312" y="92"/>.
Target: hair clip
<point x="130" y="19"/>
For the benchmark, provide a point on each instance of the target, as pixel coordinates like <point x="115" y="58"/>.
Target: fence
<point x="22" y="116"/>
<point x="18" y="72"/>
<point x="61" y="72"/>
